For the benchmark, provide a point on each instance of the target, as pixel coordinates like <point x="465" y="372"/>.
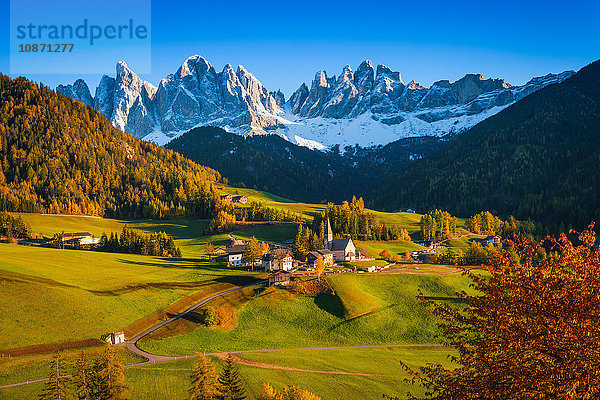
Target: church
<point x="342" y="249"/>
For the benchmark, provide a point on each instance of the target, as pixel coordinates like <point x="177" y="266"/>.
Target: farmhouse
<point x="491" y="240"/>
<point x="226" y="197"/>
<point x="311" y="258"/>
<point x="239" y="199"/>
<point x="115" y="338"/>
<point x="278" y="259"/>
<point x="79" y="238"/>
<point x="279" y="278"/>
<point x="342" y="249"/>
<point x="235" y="254"/>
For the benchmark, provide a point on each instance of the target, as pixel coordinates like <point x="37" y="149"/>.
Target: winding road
<point x="132" y="344"/>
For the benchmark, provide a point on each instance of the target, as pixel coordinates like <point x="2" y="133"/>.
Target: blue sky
<point x="284" y="43"/>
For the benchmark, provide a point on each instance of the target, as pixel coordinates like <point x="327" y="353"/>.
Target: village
<point x="279" y="258"/>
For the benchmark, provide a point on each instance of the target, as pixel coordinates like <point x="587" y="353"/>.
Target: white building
<point x="235" y="254"/>
<point x="278" y="259"/>
<point x="115" y="338"/>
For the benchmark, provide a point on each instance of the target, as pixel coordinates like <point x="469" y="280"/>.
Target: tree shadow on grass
<point x="196" y="316"/>
<point x="444" y="298"/>
<point x="182" y="263"/>
<point x="237" y="280"/>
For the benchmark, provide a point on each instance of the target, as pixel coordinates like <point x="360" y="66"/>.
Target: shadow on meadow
<point x="331" y="303"/>
<point x="236" y="280"/>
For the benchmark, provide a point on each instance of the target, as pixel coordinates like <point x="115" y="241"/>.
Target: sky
<point x="284" y="43"/>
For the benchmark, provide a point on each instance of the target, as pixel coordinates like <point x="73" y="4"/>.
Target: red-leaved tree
<point x="530" y="331"/>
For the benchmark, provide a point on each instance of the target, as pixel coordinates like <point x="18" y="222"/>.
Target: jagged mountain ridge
<point x="371" y="106"/>
<point x="538" y="160"/>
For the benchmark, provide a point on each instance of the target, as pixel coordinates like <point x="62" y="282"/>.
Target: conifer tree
<point x="81" y="378"/>
<point x="56" y="386"/>
<point x="299" y="246"/>
<point x="231" y="386"/>
<point x="114" y="386"/>
<point x="204" y="380"/>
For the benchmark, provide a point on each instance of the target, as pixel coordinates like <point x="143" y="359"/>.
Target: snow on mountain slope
<point x="371" y="106"/>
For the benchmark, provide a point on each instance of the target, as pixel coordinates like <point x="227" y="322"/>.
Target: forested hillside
<point x="57" y="156"/>
<point x="537" y="159"/>
<point x="273" y="164"/>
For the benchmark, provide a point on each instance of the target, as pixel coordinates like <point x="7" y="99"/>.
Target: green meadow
<point x="464" y="241"/>
<point x="170" y="380"/>
<point x="51" y="295"/>
<point x="365" y="309"/>
<point x="410" y="221"/>
<point x="395" y="248"/>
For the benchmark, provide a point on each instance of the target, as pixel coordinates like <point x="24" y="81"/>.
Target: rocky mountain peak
<point x="79" y="90"/>
<point x="384" y="71"/>
<point x="368" y="106"/>
<point x="195" y="63"/>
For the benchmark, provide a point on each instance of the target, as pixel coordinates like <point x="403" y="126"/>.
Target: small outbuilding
<point x="280" y="277"/>
<point x="115" y="338"/>
<point x="79" y="238"/>
<point x="495" y="239"/>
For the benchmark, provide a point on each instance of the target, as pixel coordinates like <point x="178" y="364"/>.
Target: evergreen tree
<point x="113" y="384"/>
<point x="231" y="386"/>
<point x="299" y="247"/>
<point x="204" y="381"/>
<point x="56" y="386"/>
<point x="81" y="378"/>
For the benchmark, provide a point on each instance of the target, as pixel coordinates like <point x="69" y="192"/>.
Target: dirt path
<point x="132" y="344"/>
<point x="154" y="359"/>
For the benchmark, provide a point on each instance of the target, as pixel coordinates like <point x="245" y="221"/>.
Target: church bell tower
<point x="328" y="237"/>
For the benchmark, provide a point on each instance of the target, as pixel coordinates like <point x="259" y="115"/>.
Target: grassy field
<point x="51" y="295"/>
<point x="373" y="248"/>
<point x="171" y="380"/>
<point x="188" y="234"/>
<point x="365" y="264"/>
<point x="366" y="309"/>
<point x="410" y="221"/>
<point x="21" y="369"/>
<point x="270" y="233"/>
<point x="464" y="241"/>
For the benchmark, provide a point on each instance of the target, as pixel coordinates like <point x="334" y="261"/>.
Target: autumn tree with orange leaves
<point x="532" y="331"/>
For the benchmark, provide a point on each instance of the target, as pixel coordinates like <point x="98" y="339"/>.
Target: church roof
<point x="340" y="244"/>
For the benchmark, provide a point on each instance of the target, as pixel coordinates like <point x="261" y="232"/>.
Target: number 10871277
<point x="46" y="47"/>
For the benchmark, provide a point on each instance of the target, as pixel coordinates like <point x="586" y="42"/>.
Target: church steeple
<point x="328" y="237"/>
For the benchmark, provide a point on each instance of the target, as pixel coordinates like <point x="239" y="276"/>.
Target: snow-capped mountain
<point x="366" y="107"/>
